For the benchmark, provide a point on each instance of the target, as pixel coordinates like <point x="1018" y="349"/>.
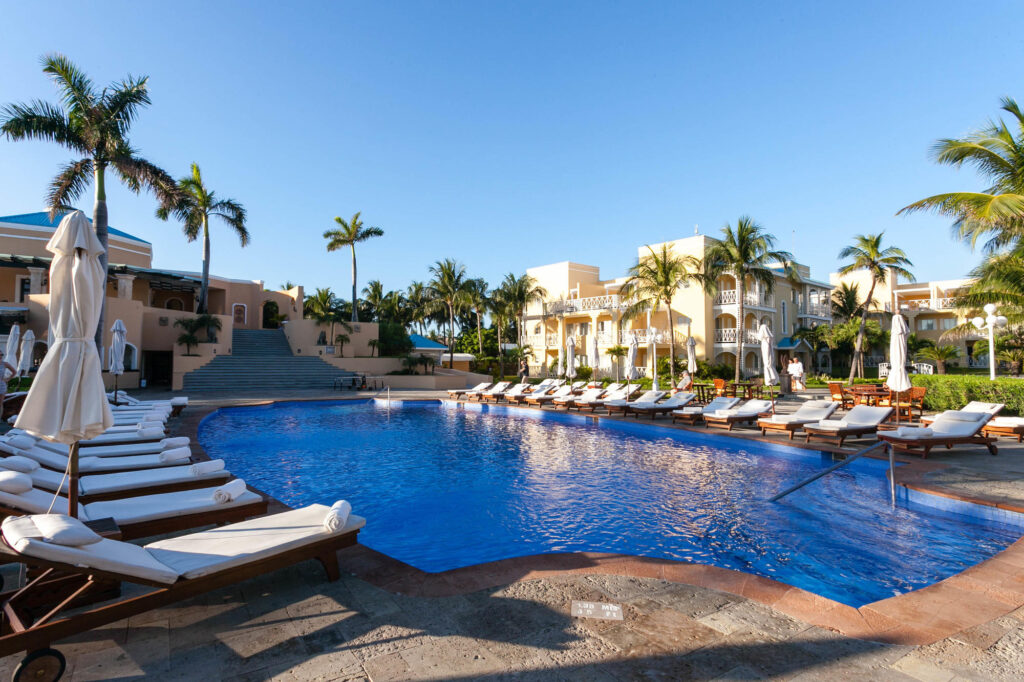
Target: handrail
<point x="832" y="468"/>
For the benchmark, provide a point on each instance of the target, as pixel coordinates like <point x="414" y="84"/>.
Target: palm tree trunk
<point x="99" y="224"/>
<point x="739" y="327"/>
<point x="501" y="355"/>
<point x="451" y="336"/>
<point x="671" y="346"/>
<point x="858" y="348"/>
<point x="204" y="288"/>
<point x="355" y="311"/>
<point x="479" y="333"/>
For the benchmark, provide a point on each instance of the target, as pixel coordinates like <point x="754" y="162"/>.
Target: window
<point x="948" y="323"/>
<point x="174" y="304"/>
<point x="785" y="319"/>
<point x="926" y="325"/>
<point x="239" y="312"/>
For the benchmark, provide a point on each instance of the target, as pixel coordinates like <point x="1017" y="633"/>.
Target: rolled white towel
<point x="691" y="410"/>
<point x="229" y="491"/>
<point x="724" y="413"/>
<point x="914" y="432"/>
<point x="337" y="516"/>
<point x="179" y="400"/>
<point x="175" y="442"/>
<point x="151" y="425"/>
<point x="175" y="455"/>
<point x="200" y="468"/>
<point x="150" y="432"/>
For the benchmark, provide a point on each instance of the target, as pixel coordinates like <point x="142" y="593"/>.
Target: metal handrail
<point x="832" y="468"/>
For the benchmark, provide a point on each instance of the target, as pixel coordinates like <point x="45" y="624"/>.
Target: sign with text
<point x="593" y="609"/>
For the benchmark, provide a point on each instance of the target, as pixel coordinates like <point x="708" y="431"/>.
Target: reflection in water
<point x="444" y="488"/>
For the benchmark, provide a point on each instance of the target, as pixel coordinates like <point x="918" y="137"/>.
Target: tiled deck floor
<point x="291" y="625"/>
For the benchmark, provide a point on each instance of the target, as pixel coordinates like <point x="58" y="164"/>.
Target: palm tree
<point x="349" y="234"/>
<point x="374" y="345"/>
<point x="373" y="296"/>
<point x="189" y="336"/>
<point x="341" y="340"/>
<point x="94" y="125"/>
<point x="478" y="300"/>
<point x="654" y="280"/>
<point x="394" y="308"/>
<point x="195" y="206"/>
<point x="618" y="352"/>
<point x="324" y="307"/>
<point x="521" y="291"/>
<point x="416" y="295"/>
<point x="940" y="355"/>
<point x="501" y="307"/>
<point x="1014" y="357"/>
<point x="866" y="253"/>
<point x="745" y="252"/>
<point x="288" y="284"/>
<point x="846" y="303"/>
<point x="448" y="292"/>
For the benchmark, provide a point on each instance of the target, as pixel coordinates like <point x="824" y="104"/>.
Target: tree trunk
<point x="501" y="355"/>
<point x="858" y="348"/>
<point x="451" y="334"/>
<point x="99" y="224"/>
<point x="355" y="311"/>
<point x="739" y="327"/>
<point x="204" y="287"/>
<point x="479" y="333"/>
<point x="671" y="348"/>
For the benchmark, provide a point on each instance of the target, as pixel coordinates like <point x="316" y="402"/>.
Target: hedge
<point x="946" y="392"/>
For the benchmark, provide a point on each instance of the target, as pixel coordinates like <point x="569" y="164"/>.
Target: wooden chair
<point x="917" y="394"/>
<point x="720" y="388"/>
<point x="840" y="395"/>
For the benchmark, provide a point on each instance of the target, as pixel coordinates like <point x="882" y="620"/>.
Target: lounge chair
<point x="540" y="400"/>
<point x="456" y="392"/>
<point x="569" y="401"/>
<point x="99" y="487"/>
<point x="647" y="397"/>
<point x="862" y="420"/>
<point x="809" y="413"/>
<point x="593" y="403"/>
<point x="545" y="387"/>
<point x="102" y="465"/>
<point x="693" y="415"/>
<point x="177" y="403"/>
<point x="518" y="389"/>
<point x="991" y="409"/>
<point x="140" y="516"/>
<point x="499" y="387"/>
<point x="24" y="440"/>
<point x="673" y="402"/>
<point x="177" y="569"/>
<point x="952" y="427"/>
<point x="747" y="413"/>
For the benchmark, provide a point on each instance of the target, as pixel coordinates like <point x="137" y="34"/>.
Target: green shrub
<point x="951" y="392"/>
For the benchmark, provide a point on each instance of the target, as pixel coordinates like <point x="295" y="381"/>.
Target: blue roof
<point x="423" y="342"/>
<point x="42" y="219"/>
<point x="788" y="342"/>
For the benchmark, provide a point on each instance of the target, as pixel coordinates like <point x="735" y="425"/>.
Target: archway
<point x="271" y="315"/>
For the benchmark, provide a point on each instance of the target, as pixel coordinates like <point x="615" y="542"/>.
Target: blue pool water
<point x="445" y="487"/>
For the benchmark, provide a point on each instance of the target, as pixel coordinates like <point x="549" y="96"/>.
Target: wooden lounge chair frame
<point x="996" y="430"/>
<point x="767" y="425"/>
<point x="732" y="420"/>
<point x="837" y="436"/>
<point x="30" y="622"/>
<point x="923" y="446"/>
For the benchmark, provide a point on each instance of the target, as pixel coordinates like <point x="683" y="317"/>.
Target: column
<point x="124" y="286"/>
<point x="35" y="280"/>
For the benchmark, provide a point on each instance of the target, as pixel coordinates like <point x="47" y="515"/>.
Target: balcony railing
<point x="580" y="305"/>
<point x="728" y="297"/>
<point x="606" y="339"/>
<point x="817" y="311"/>
<point x="643" y="336"/>
<point x="729" y="336"/>
<point x="946" y="303"/>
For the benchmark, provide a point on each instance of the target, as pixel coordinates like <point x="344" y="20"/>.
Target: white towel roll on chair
<point x="229" y="491"/>
<point x="337" y="516"/>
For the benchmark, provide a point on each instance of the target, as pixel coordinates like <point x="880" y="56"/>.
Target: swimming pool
<point x="444" y="487"/>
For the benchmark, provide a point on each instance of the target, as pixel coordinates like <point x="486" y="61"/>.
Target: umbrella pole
<point x="115" y="392"/>
<point x="892" y="473"/>
<point x="73" y="481"/>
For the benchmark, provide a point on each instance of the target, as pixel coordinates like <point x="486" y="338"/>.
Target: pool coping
<point x="977" y="595"/>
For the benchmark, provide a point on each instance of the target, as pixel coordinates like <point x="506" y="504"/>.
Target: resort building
<point x="583" y="305"/>
<point x="928" y="307"/>
<point x="147" y="300"/>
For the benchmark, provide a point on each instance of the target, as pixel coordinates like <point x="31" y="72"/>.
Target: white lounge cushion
<point x="952" y="428"/>
<point x="124" y="558"/>
<point x="866" y="415"/>
<point x="21" y="441"/>
<point x="754" y="407"/>
<point x="978" y="406"/>
<point x="960" y="416"/>
<point x="678" y="400"/>
<point x="61" y="529"/>
<point x="719" y="403"/>
<point x="14" y="482"/>
<point x="914" y="432"/>
<point x="163" y="505"/>
<point x="99" y="484"/>
<point x="24" y="465"/>
<point x="831" y="424"/>
<point x="36" y="501"/>
<point x="1011" y="422"/>
<point x="199" y="554"/>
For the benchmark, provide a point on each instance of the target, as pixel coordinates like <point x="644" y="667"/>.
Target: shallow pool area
<point x="445" y="486"/>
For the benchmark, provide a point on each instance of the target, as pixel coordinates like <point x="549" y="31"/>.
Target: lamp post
<point x="990" y="322"/>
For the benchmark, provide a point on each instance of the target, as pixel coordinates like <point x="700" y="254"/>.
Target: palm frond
<point x="76" y="89"/>
<point x="122" y="103"/>
<point x="67" y="187"/>
<point x="232" y="213"/>
<point x="40" y="120"/>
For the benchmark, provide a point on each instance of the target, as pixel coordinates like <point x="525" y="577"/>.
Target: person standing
<point x="6" y="372"/>
<point x="796" y="370"/>
<point x="524" y="370"/>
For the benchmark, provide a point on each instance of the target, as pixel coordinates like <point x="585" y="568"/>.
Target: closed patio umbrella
<point x="595" y="354"/>
<point x="897" y="381"/>
<point x="118" y="341"/>
<point x="67" y="402"/>
<point x="691" y="356"/>
<point x="25" y="357"/>
<point x="653" y="354"/>
<point x="11" y="352"/>
<point x="560" y="369"/>
<point x="570" y="357"/>
<point x="631" y="371"/>
<point x="771" y="377"/>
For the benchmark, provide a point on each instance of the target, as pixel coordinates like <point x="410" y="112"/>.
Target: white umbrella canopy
<point x="653" y="355"/>
<point x="595" y="355"/>
<point x="67" y="402"/>
<point x="898" y="379"/>
<point x="11" y="352"/>
<point x="632" y="373"/>
<point x="570" y="357"/>
<point x="691" y="356"/>
<point x="118" y="342"/>
<point x="25" y="357"/>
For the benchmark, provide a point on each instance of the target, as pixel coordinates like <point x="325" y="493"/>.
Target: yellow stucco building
<point x="583" y="305"/>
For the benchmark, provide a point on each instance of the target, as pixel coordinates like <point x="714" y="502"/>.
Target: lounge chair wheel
<point x="41" y="665"/>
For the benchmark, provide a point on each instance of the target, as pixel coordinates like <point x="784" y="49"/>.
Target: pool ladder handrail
<point x="382" y="390"/>
<point x="837" y="465"/>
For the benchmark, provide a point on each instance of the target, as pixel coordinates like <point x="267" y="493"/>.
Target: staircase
<point x="262" y="360"/>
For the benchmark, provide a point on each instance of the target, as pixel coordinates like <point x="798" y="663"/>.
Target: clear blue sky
<point x="507" y="135"/>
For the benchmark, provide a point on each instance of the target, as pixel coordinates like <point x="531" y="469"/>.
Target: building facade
<point x="147" y="300"/>
<point x="583" y="305"/>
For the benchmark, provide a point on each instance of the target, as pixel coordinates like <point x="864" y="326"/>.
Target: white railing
<point x="817" y="311"/>
<point x="729" y="336"/>
<point x="873" y="360"/>
<point x="728" y="297"/>
<point x="644" y="336"/>
<point x="576" y="305"/>
<point x="551" y="339"/>
<point x="606" y="339"/>
<point x="945" y="303"/>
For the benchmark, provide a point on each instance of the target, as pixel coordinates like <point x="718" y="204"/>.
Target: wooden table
<point x="705" y="392"/>
<point x="746" y="386"/>
<point x="868" y="394"/>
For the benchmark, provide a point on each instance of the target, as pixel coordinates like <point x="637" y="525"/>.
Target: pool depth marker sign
<point x="591" y="609"/>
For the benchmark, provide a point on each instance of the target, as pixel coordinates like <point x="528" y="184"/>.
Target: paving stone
<point x="387" y="667"/>
<point x="921" y="669"/>
<point x="747" y="616"/>
<point x="694" y="601"/>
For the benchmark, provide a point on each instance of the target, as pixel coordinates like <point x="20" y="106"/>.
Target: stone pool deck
<point x="387" y="621"/>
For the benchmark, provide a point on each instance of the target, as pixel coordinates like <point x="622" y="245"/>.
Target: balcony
<point x="729" y="336"/>
<point x="947" y="303"/>
<point x="606" y="339"/>
<point x="586" y="305"/>
<point x="643" y="336"/>
<point x="752" y="299"/>
<point x="822" y="311"/>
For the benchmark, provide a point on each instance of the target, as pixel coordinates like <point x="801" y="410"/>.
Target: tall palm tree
<point x="746" y="252"/>
<point x="94" y="125"/>
<point x="502" y="309"/>
<point x="373" y="296"/>
<point x="349" y="234"/>
<point x="479" y="301"/>
<point x="846" y="303"/>
<point x="867" y="253"/>
<point x="654" y="280"/>
<point x="448" y="292"/>
<point x="416" y="295"/>
<point x="195" y="205"/>
<point x="394" y="308"/>
<point x="521" y="291"/>
<point x="324" y="307"/>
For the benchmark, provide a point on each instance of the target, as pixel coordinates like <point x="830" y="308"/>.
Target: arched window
<point x="131" y="358"/>
<point x="174" y="304"/>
